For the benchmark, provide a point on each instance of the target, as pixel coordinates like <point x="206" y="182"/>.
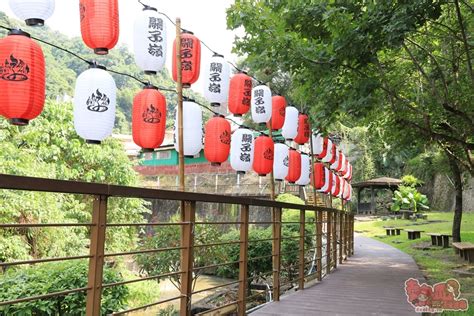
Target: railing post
<point x="341" y="236"/>
<point x="243" y="259"/>
<point x="334" y="240"/>
<point x="346" y="235"/>
<point x="96" y="251"/>
<point x="188" y="216"/>
<point x="328" y="241"/>
<point x="351" y="251"/>
<point x="276" y="252"/>
<point x="301" y="256"/>
<point x="319" y="245"/>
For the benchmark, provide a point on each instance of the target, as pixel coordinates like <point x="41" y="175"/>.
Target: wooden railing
<point x="332" y="242"/>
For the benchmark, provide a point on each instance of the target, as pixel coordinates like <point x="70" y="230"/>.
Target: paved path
<point x="370" y="283"/>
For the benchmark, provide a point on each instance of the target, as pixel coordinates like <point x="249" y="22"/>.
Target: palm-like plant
<point x="409" y="198"/>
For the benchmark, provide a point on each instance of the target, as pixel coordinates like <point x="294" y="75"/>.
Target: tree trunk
<point x="458" y="200"/>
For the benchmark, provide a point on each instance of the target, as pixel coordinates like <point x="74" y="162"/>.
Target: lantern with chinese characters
<point x="149" y="39"/>
<point x="280" y="162"/>
<point x="263" y="155"/>
<point x="22" y="78"/>
<point x="294" y="166"/>
<point x="149" y="118"/>
<point x="217" y="74"/>
<point x="33" y="12"/>
<point x="190" y="59"/>
<point x="305" y="177"/>
<point x="192" y="129"/>
<point x="261" y="104"/>
<point x="290" y="127"/>
<point x="240" y="94"/>
<point x="94" y="104"/>
<point x="278" y="112"/>
<point x="318" y="176"/>
<point x="241" y="150"/>
<point x="217" y="140"/>
<point x="303" y="129"/>
<point x="99" y="24"/>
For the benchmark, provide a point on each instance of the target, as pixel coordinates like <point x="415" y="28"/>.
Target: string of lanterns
<point x="95" y="99"/>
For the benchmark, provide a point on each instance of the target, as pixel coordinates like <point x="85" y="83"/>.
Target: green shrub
<point x="411" y="181"/>
<point x="56" y="277"/>
<point x="408" y="198"/>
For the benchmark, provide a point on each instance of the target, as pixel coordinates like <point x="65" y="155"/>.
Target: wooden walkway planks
<point x="370" y="283"/>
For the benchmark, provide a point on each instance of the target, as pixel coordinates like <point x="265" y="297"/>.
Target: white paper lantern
<point x="290" y="127"/>
<point x="192" y="129"/>
<point x="305" y="177"/>
<point x="318" y="143"/>
<point x="281" y="162"/>
<point x="341" y="187"/>
<point x="329" y="153"/>
<point x="261" y="104"/>
<point x="327" y="180"/>
<point x="336" y="162"/>
<point x="217" y="81"/>
<point x="241" y="150"/>
<point x="334" y="184"/>
<point x="33" y="12"/>
<point x="149" y="39"/>
<point x="343" y="164"/>
<point x="94" y="104"/>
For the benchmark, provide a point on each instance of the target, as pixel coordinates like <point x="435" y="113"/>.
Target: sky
<point x="206" y="18"/>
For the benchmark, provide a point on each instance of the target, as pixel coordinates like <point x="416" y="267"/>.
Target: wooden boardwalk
<point x="370" y="283"/>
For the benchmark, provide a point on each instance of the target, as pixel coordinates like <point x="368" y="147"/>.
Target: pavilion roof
<point x="379" y="182"/>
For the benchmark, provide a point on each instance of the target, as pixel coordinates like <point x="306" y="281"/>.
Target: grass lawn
<point x="436" y="263"/>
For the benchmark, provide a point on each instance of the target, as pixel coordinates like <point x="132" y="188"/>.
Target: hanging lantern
<point x="327" y="181"/>
<point x="336" y="185"/>
<point x="305" y="177"/>
<point x="94" y="104"/>
<point x="303" y="129"/>
<point x="192" y="129"/>
<point x="319" y="176"/>
<point x="216" y="87"/>
<point x="217" y="140"/>
<point x="190" y="59"/>
<point x="242" y="149"/>
<point x="278" y="113"/>
<point x="261" y="104"/>
<point x="22" y="78"/>
<point x="263" y="155"/>
<point x="290" y="127"/>
<point x="336" y="162"/>
<point x="240" y="94"/>
<point x="341" y="187"/>
<point x="99" y="24"/>
<point x="318" y="144"/>
<point x="329" y="153"/>
<point x="34" y="13"/>
<point x="149" y="118"/>
<point x="325" y="146"/>
<point x="280" y="162"/>
<point x="294" y="166"/>
<point x="343" y="168"/>
<point x="149" y="38"/>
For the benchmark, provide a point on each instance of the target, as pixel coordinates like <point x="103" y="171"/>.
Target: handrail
<point x="76" y="187"/>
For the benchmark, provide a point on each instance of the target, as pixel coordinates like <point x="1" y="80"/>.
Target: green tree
<point x="403" y="66"/>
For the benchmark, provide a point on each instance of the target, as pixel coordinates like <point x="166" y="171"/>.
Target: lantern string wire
<point x="263" y="133"/>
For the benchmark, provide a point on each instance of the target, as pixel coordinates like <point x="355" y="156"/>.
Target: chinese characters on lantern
<point x="155" y="29"/>
<point x="246" y="148"/>
<point x="259" y="102"/>
<point x="215" y="73"/>
<point x="187" y="45"/>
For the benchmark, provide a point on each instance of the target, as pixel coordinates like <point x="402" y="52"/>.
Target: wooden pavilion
<point x="374" y="185"/>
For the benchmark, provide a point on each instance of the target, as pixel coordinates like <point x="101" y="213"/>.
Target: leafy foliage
<point x="56" y="277"/>
<point x="408" y="198"/>
<point x="411" y="181"/>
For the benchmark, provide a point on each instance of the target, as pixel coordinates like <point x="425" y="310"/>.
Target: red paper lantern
<point x="318" y="175"/>
<point x="303" y="130"/>
<point x="278" y="112"/>
<point x="22" y="78"/>
<point x="328" y="183"/>
<point x="149" y="118"/>
<point x="340" y="161"/>
<point x="190" y="59"/>
<point x="337" y="189"/>
<point x="325" y="148"/>
<point x="263" y="155"/>
<point x="217" y="140"/>
<point x="294" y="166"/>
<point x="240" y="94"/>
<point x="99" y="24"/>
